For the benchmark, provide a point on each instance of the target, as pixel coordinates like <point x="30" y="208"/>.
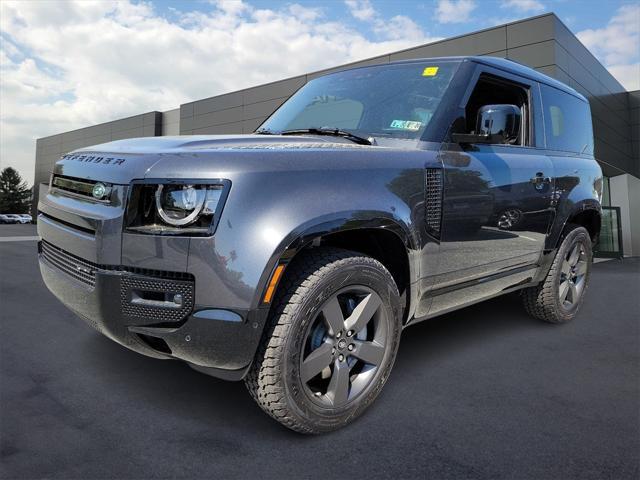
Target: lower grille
<point x="155" y="296"/>
<point x="79" y="269"/>
<point x="133" y="286"/>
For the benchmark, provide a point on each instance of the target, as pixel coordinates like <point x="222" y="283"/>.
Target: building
<point x="543" y="43"/>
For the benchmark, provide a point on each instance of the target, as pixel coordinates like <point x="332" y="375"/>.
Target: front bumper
<point x="130" y="306"/>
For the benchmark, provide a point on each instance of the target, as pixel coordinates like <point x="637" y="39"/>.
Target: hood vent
<point x="433" y="201"/>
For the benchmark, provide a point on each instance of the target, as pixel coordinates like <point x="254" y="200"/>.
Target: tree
<point x="15" y="195"/>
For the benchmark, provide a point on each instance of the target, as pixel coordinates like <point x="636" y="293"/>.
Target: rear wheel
<point x="331" y="343"/>
<point x="559" y="297"/>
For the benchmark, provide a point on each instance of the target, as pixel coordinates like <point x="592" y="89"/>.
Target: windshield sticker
<point x="406" y="125"/>
<point x="430" y="72"/>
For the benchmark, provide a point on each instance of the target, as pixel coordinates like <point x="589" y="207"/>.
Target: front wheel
<point x="559" y="297"/>
<point x="331" y="343"/>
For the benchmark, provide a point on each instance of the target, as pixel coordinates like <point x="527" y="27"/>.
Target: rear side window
<point x="567" y="122"/>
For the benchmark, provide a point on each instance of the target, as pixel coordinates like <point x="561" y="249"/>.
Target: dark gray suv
<point x="293" y="258"/>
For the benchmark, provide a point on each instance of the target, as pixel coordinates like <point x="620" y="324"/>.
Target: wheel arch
<point x="586" y="213"/>
<point x="375" y="234"/>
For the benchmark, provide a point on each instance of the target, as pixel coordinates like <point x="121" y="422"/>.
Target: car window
<point x="495" y="91"/>
<point x="383" y="101"/>
<point x="567" y="121"/>
<point x="335" y="111"/>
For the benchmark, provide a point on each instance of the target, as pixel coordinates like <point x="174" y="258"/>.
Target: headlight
<point x="175" y="208"/>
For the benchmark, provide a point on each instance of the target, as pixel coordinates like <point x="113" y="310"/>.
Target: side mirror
<point x="495" y="124"/>
<point x="499" y="120"/>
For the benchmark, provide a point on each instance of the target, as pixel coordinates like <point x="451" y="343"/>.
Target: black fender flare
<point x="564" y="215"/>
<point x="562" y="218"/>
<point x="303" y="235"/>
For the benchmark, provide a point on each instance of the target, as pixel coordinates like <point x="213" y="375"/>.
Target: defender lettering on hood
<point x="94" y="159"/>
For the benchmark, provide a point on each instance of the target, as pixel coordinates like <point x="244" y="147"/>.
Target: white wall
<point x="625" y="193"/>
<point x="171" y="122"/>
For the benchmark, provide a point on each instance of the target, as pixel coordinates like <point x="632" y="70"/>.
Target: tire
<point x="306" y="330"/>
<point x="559" y="297"/>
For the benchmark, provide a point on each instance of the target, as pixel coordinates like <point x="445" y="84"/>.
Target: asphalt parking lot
<point x="485" y="392"/>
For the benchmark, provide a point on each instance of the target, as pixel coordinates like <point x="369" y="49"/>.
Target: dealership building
<point x="543" y="43"/>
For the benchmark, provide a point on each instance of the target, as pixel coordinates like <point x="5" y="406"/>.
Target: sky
<point x="70" y="64"/>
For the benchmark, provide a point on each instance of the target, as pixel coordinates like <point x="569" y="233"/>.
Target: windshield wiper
<point x="334" y="132"/>
<point x="263" y="131"/>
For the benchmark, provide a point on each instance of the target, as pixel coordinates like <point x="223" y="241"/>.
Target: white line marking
<point x="19" y="239"/>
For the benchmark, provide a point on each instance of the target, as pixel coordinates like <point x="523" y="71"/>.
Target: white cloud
<point x="394" y="28"/>
<point x="523" y="6"/>
<point x="627" y="75"/>
<point x="619" y="40"/>
<point x="66" y="65"/>
<point x="618" y="44"/>
<point x="361" y="9"/>
<point x="454" y="11"/>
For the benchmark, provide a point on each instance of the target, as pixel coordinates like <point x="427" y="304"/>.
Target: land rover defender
<point x="292" y="258"/>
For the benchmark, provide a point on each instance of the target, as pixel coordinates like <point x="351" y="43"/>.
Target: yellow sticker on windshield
<point x="430" y="72"/>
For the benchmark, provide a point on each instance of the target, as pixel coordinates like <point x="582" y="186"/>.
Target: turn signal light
<point x="271" y="289"/>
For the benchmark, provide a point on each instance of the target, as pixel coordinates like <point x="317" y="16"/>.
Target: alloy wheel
<point x="344" y="347"/>
<point x="572" y="276"/>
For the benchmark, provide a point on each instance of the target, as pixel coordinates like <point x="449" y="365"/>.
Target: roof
<point x="525" y="71"/>
<point x="502" y="64"/>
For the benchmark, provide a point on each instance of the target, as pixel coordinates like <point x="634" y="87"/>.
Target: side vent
<point x="433" y="200"/>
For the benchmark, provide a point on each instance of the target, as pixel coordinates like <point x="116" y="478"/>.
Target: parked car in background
<point x="18" y="218"/>
<point x="26" y="217"/>
<point x="9" y="218"/>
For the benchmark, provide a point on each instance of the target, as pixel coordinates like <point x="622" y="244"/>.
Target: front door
<point x="497" y="200"/>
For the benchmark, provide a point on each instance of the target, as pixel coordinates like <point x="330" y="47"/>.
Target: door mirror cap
<point x="499" y="120"/>
<point x="495" y="124"/>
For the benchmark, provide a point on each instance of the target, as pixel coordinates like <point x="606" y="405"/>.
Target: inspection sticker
<point x="430" y="72"/>
<point x="406" y="125"/>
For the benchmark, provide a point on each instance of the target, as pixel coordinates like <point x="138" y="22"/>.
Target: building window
<point x="606" y="193"/>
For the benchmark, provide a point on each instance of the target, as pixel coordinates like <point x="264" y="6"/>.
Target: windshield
<point x="382" y="101"/>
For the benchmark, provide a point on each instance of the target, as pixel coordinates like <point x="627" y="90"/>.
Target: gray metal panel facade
<point x="610" y="102"/>
<point x="543" y="43"/>
<point x="634" y="120"/>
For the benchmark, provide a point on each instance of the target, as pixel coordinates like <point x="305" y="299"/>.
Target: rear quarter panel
<point x="578" y="187"/>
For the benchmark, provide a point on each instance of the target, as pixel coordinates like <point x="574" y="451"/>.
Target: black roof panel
<point x="502" y="64"/>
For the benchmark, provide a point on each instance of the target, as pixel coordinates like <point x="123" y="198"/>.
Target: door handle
<point x="540" y="179"/>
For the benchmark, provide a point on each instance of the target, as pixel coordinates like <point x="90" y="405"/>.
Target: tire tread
<point x="540" y="301"/>
<point x="265" y="377"/>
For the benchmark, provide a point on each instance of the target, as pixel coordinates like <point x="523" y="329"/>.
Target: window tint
<point x="567" y="122"/>
<point x="397" y="101"/>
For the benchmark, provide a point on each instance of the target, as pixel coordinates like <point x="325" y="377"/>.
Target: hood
<point x="124" y="160"/>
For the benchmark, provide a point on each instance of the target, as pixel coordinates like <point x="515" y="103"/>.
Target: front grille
<point x="433" y="200"/>
<point x="78" y="187"/>
<point x="79" y="269"/>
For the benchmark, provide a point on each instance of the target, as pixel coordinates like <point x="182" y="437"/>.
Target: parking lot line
<point x="19" y="239"/>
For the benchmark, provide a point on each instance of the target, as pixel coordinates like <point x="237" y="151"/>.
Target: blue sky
<point x="66" y="64"/>
<point x="576" y="14"/>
